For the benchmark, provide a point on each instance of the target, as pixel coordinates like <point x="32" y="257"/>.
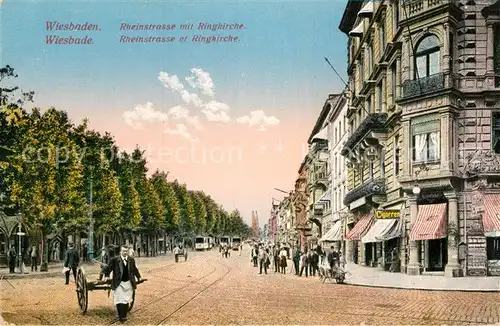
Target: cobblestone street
<point x="208" y="289"/>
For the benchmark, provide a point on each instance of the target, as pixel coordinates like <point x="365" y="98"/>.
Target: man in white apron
<point x="123" y="282"/>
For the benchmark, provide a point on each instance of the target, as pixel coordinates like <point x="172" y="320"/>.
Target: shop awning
<point x="360" y="228"/>
<point x="367" y="9"/>
<point x="334" y="234"/>
<point x="358" y="30"/>
<point x="430" y="223"/>
<point x="394" y="232"/>
<point x="379" y="230"/>
<point x="322" y="135"/>
<point x="491" y="216"/>
<point x="325" y="198"/>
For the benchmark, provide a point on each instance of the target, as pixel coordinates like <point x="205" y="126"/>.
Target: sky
<point x="230" y="118"/>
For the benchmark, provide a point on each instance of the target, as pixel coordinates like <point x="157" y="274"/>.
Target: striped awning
<point x="334" y="234"/>
<point x="360" y="228"/>
<point x="430" y="223"/>
<point x="379" y="230"/>
<point x="491" y="216"/>
<point x="325" y="198"/>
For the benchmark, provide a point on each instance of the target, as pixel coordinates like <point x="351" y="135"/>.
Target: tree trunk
<point x="44" y="266"/>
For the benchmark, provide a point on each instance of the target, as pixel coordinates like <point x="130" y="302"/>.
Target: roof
<point x="350" y="15"/>
<point x="323" y="114"/>
<point x="337" y="108"/>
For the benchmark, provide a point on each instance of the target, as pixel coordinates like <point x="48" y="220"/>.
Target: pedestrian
<point x="12" y="260"/>
<point x="333" y="258"/>
<point x="176" y="253"/>
<point x="254" y="254"/>
<point x="283" y="264"/>
<point x="123" y="282"/>
<point x="34" y="261"/>
<point x="104" y="261"/>
<point x="303" y="263"/>
<point x="131" y="252"/>
<point x="71" y="261"/>
<point x="264" y="260"/>
<point x="296" y="261"/>
<point x="314" y="262"/>
<point x="276" y="259"/>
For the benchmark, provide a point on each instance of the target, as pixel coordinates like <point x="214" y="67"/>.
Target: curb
<point x="395" y="287"/>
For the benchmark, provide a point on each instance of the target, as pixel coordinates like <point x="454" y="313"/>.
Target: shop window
<point x="493" y="248"/>
<point x="427" y="57"/>
<point x="425" y="139"/>
<point x="495" y="126"/>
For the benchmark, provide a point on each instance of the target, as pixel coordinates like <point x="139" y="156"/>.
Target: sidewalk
<point x="372" y="277"/>
<point x="55" y="269"/>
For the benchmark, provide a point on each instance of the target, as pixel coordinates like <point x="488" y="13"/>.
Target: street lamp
<point x="20" y="234"/>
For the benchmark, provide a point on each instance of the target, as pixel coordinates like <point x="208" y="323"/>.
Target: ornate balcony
<point x="371" y="188"/>
<point x="424" y="85"/>
<point x="416" y="8"/>
<point x="373" y="122"/>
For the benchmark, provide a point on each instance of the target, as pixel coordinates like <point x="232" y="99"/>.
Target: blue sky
<point x="278" y="66"/>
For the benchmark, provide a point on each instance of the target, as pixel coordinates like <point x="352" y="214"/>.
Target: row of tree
<point x="56" y="173"/>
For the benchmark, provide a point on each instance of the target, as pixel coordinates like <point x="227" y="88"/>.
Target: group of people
<point x="305" y="261"/>
<point x="261" y="256"/>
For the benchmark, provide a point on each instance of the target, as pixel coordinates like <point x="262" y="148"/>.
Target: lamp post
<point x="20" y="234"/>
<point x="91" y="218"/>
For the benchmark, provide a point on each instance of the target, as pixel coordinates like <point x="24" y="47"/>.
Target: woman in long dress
<point x="283" y="265"/>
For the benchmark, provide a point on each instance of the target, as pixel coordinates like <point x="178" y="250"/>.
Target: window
<point x="370" y="59"/>
<point x="369" y="105"/>
<point x="396" y="16"/>
<point x="495" y="126"/>
<point x="381" y="33"/>
<point x="371" y="167"/>
<point x="493" y="248"/>
<point x="362" y="69"/>
<point x="396" y="155"/>
<point x="393" y="82"/>
<point x="496" y="54"/>
<point x="427" y="57"/>
<point x="425" y="139"/>
<point x="340" y="128"/>
<point x="380" y="97"/>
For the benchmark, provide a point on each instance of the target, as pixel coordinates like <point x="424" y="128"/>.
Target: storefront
<point x="430" y="232"/>
<point x="333" y="236"/>
<point x="491" y="226"/>
<point x="355" y="235"/>
<point x="381" y="240"/>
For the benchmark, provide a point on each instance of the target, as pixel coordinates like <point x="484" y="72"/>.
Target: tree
<point x="187" y="209"/>
<point x="200" y="212"/>
<point x="169" y="200"/>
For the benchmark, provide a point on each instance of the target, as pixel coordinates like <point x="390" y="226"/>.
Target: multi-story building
<point x="423" y="131"/>
<point x="301" y="224"/>
<point x="337" y="136"/>
<point x="273" y="223"/>
<point x="319" y="182"/>
<point x="285" y="219"/>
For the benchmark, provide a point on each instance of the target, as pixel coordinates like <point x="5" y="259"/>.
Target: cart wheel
<point x="82" y="293"/>
<point x="131" y="305"/>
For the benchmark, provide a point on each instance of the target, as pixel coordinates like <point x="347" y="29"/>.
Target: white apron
<point x="123" y="293"/>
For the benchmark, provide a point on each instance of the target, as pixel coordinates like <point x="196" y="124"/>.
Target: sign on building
<point x="387" y="214"/>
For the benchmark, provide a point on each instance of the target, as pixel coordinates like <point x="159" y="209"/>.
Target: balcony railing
<point x="373" y="122"/>
<point x="373" y="187"/>
<point x="416" y="7"/>
<point x="423" y="85"/>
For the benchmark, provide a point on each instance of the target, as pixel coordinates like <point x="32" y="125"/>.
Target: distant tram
<point x="202" y="243"/>
<point x="225" y="241"/>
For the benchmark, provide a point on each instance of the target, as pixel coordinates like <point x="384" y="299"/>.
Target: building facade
<point x="319" y="176"/>
<point x="422" y="147"/>
<point x="337" y="136"/>
<point x="301" y="224"/>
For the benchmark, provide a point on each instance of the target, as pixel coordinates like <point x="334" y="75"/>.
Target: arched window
<point x="427" y="57"/>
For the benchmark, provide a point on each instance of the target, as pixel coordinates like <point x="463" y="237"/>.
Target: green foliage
<point x="50" y="168"/>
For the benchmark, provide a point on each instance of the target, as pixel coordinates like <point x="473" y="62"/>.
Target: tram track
<point x="228" y="270"/>
<point x="166" y="295"/>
